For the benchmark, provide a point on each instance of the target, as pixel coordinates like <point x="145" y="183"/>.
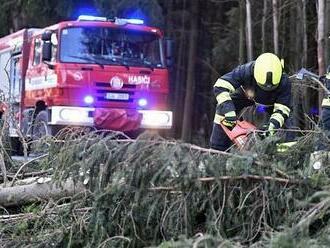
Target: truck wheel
<point x="40" y="127"/>
<point x="16" y="147"/>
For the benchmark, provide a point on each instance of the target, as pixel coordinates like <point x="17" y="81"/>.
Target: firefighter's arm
<point x="228" y="83"/>
<point x="326" y="99"/>
<point x="281" y="107"/>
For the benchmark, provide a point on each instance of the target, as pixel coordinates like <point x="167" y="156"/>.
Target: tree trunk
<point x="179" y="77"/>
<point x="263" y="26"/>
<point x="293" y="31"/>
<point x="42" y="189"/>
<point x="304" y="31"/>
<point x="320" y="43"/>
<point x="327" y="26"/>
<point x="249" y="31"/>
<point x="190" y="83"/>
<point x="298" y="48"/>
<point x="275" y="26"/>
<point x="320" y="36"/>
<point x="241" y="32"/>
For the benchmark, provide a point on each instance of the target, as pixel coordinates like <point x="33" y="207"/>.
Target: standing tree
<point x="320" y="36"/>
<point x="190" y="82"/>
<point x="304" y="31"/>
<point x="263" y="26"/>
<point x="249" y="30"/>
<point x="241" y="32"/>
<point x="275" y="26"/>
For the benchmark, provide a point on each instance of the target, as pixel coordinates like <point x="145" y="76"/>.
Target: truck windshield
<point x="101" y="45"/>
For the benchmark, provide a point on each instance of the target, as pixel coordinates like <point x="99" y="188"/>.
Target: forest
<point x="211" y="38"/>
<point x="102" y="188"/>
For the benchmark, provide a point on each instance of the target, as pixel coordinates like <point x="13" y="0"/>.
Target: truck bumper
<point x="114" y="119"/>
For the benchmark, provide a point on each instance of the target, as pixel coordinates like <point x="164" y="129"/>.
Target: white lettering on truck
<point x="139" y="80"/>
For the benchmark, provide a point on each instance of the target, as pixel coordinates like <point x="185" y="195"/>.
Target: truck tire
<point x="40" y="126"/>
<point x="16" y="147"/>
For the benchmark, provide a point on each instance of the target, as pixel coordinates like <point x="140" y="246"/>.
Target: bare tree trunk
<point x="37" y="191"/>
<point x="304" y="31"/>
<point x="327" y="27"/>
<point x="190" y="83"/>
<point x="179" y="78"/>
<point x="293" y="37"/>
<point x="320" y="42"/>
<point x="320" y="36"/>
<point x="298" y="48"/>
<point x="275" y="26"/>
<point x="249" y="31"/>
<point x="241" y="33"/>
<point x="263" y="26"/>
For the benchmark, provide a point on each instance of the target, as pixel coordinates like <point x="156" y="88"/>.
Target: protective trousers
<point x="219" y="139"/>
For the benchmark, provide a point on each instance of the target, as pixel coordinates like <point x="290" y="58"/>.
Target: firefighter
<point x="261" y="81"/>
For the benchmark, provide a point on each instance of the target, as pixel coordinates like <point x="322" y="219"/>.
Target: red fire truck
<point x="98" y="72"/>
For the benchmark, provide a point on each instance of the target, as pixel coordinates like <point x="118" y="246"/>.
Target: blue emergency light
<point x="122" y="21"/>
<point x="89" y="99"/>
<point x="118" y="21"/>
<point x="143" y="102"/>
<point x="135" y="21"/>
<point x="92" y="18"/>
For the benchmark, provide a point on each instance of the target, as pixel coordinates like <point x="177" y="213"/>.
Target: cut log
<point x="42" y="189"/>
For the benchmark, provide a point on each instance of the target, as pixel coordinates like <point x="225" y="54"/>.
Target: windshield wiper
<point x="140" y="62"/>
<point x="120" y="61"/>
<point x="89" y="59"/>
<point x="148" y="64"/>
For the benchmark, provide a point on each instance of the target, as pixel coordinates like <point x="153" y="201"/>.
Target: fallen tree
<point x="154" y="192"/>
<point x="39" y="189"/>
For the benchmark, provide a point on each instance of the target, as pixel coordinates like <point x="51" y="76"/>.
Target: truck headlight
<point x="156" y="119"/>
<point x="74" y="115"/>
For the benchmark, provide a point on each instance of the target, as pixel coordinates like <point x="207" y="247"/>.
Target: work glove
<point x="230" y="119"/>
<point x="268" y="130"/>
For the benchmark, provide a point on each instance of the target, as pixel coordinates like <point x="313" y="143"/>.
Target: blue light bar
<point x="135" y="21"/>
<point x="122" y="21"/>
<point x="92" y="18"/>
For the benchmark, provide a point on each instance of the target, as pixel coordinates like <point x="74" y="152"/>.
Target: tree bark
<point x="327" y="27"/>
<point x="298" y="47"/>
<point x="190" y="83"/>
<point x="241" y="33"/>
<point x="320" y="36"/>
<point x="263" y="26"/>
<point x="275" y="26"/>
<point x="42" y="189"/>
<point x="179" y="77"/>
<point x="320" y="43"/>
<point x="304" y="31"/>
<point x="249" y="31"/>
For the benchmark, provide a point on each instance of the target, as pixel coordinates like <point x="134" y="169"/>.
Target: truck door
<point x="15" y="80"/>
<point x="36" y="74"/>
<point x="15" y="88"/>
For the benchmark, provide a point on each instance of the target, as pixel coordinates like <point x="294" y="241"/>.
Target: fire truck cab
<point x="107" y="74"/>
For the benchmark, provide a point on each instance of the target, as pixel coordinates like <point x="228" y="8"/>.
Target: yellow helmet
<point x="267" y="71"/>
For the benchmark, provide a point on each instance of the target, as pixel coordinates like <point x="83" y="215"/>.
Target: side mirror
<point x="169" y="49"/>
<point x="46" y="51"/>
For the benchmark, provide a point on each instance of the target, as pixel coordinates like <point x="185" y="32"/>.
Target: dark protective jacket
<point x="325" y="115"/>
<point x="241" y="79"/>
<point x="326" y="99"/>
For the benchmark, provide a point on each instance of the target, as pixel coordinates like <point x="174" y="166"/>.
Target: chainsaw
<point x="239" y="135"/>
<point x="242" y="131"/>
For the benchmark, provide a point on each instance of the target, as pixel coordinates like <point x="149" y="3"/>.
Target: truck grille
<point x="107" y="85"/>
<point x="107" y="94"/>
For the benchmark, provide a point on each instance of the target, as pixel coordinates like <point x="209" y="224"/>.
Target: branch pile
<point x="154" y="192"/>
